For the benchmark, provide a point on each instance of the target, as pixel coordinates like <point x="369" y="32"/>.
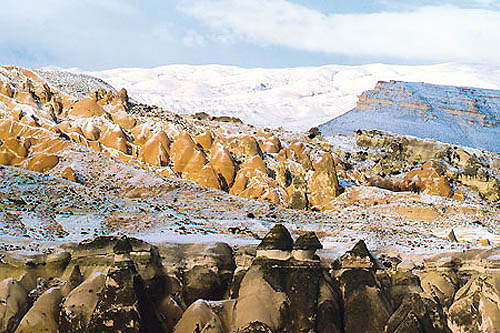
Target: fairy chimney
<point x="305" y="246"/>
<point x="277" y="244"/>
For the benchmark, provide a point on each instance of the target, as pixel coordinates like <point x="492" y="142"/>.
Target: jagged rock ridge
<point x="463" y="115"/>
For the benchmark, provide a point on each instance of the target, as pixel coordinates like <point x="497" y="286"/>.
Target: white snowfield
<point x="292" y="98"/>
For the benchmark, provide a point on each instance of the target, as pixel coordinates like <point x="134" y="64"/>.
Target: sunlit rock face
<point x="468" y="116"/>
<point x="45" y="114"/>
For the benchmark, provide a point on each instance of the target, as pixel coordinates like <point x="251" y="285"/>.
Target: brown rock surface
<point x="13" y="304"/>
<point x="323" y="186"/>
<point x="86" y="108"/>
<point x="223" y="164"/>
<point x="427" y="179"/>
<point x="252" y="181"/>
<point x="43" y="316"/>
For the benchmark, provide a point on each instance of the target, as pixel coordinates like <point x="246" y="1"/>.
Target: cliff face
<point x="468" y="116"/>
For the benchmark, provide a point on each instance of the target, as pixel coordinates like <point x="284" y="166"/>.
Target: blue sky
<point x="99" y="34"/>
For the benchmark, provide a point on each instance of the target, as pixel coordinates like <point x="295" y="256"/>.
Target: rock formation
<point x="119" y="284"/>
<point x="449" y="114"/>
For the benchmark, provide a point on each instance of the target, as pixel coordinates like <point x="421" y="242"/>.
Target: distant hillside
<point x="468" y="116"/>
<point x="294" y="98"/>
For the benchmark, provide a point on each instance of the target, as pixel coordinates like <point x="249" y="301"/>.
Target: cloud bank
<point x="98" y="34"/>
<point x="428" y="33"/>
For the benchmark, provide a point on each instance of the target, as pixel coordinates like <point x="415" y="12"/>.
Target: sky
<point x="102" y="34"/>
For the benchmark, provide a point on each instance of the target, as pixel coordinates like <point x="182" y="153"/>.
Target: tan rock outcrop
<point x="323" y="186"/>
<point x="6" y="89"/>
<point x="205" y="140"/>
<point x="223" y="164"/>
<point x="86" y="108"/>
<point x="13" y="151"/>
<point x="91" y="131"/>
<point x="271" y="145"/>
<point x="183" y="150"/>
<point x="252" y="181"/>
<point x="123" y="119"/>
<point x="155" y="150"/>
<point x="114" y="137"/>
<point x="122" y="96"/>
<point x="40" y="162"/>
<point x="244" y="146"/>
<point x="427" y="179"/>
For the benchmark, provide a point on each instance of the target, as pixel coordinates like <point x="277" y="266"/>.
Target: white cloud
<point x="436" y="33"/>
<point x="194" y="39"/>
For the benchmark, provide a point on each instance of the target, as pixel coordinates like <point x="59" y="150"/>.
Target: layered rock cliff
<point x="463" y="115"/>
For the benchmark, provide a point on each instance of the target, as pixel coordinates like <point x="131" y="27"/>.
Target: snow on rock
<point x="452" y="114"/>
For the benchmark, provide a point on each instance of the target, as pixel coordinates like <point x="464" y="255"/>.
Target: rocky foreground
<point x="120" y="284"/>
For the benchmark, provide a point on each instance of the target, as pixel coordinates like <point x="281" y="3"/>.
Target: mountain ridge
<point x="292" y="98"/>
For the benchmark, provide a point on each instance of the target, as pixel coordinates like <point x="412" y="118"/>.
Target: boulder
<point x="69" y="174"/>
<point x="43" y="316"/>
<point x="13" y="304"/>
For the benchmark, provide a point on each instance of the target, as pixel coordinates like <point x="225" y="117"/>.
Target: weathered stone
<point x="475" y="306"/>
<point x="417" y="314"/>
<point x="43" y="316"/>
<point x="277" y="244"/>
<point x="13" y="304"/>
<point x="366" y="305"/>
<point x="323" y="186"/>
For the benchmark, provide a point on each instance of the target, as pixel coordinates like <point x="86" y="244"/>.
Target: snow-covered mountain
<point x="294" y="98"/>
